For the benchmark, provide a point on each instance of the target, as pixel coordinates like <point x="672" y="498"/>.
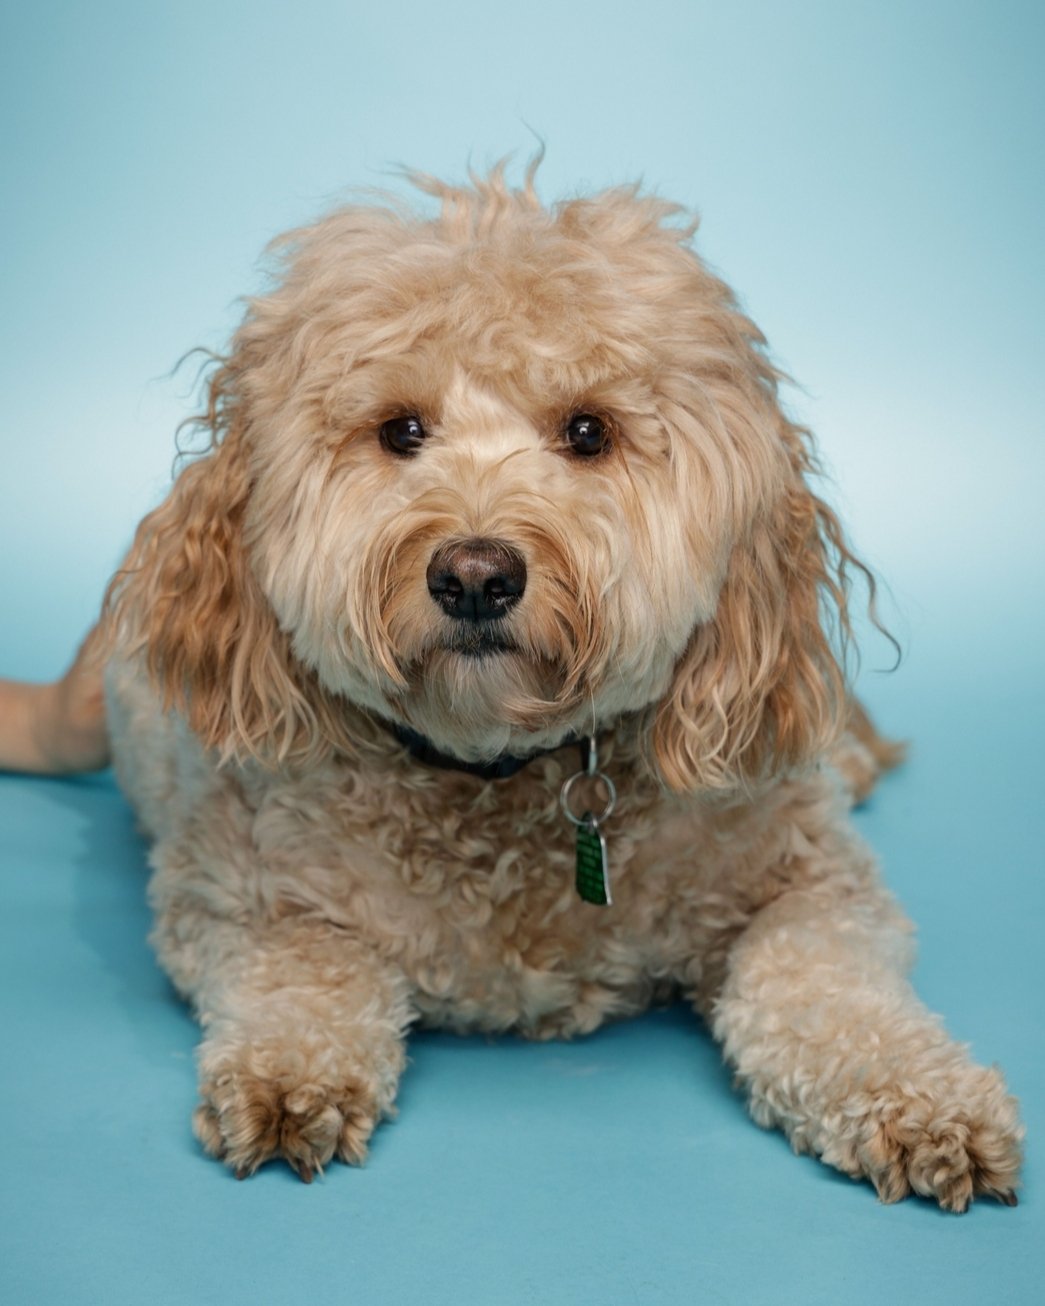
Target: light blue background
<point x="871" y="180"/>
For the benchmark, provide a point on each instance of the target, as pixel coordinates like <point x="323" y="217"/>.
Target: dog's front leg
<point x="831" y="1044"/>
<point x="303" y="1037"/>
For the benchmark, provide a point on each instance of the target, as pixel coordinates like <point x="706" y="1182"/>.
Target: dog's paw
<point x="245" y="1119"/>
<point x="950" y="1149"/>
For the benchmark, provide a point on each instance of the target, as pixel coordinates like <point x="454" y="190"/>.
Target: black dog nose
<point x="476" y="580"/>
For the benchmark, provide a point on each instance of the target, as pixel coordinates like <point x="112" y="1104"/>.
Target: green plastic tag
<point x="593" y="881"/>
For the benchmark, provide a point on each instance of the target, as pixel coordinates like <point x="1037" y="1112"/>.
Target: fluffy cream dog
<point x="479" y="486"/>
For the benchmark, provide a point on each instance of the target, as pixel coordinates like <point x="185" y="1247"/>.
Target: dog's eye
<point x="402" y="435"/>
<point x="587" y="435"/>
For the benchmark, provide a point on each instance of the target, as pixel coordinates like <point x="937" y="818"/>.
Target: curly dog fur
<point x="275" y="631"/>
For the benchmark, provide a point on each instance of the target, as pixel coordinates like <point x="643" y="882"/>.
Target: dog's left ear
<point x="759" y="688"/>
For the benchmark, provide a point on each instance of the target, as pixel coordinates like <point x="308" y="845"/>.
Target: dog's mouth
<point x="480" y="642"/>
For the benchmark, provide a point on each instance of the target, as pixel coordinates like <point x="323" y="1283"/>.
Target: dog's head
<point x="500" y="475"/>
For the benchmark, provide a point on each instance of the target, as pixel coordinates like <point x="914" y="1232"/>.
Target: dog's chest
<point x="470" y="889"/>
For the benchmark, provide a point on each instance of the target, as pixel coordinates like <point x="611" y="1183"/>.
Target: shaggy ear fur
<point x="187" y="600"/>
<point x="759" y="688"/>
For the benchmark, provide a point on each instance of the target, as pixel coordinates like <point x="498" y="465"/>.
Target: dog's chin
<point x="478" y="696"/>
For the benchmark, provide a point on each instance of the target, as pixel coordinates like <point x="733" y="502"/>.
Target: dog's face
<point x="494" y="405"/>
<point x="503" y="475"/>
<point x="444" y="555"/>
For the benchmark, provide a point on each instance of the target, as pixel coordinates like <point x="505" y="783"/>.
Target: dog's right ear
<point x="187" y="602"/>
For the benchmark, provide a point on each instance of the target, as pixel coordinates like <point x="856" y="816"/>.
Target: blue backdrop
<point x="871" y="180"/>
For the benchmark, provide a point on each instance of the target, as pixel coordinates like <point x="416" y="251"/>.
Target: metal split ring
<point x="611" y="801"/>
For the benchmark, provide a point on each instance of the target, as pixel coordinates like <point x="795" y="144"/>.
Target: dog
<point x="485" y="671"/>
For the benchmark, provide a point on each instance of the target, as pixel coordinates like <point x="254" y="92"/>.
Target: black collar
<point x="501" y="768"/>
